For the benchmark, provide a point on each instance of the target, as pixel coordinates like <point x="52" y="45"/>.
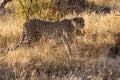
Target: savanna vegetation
<point x="96" y="55"/>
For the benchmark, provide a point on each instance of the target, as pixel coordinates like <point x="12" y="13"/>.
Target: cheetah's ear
<point x="75" y="19"/>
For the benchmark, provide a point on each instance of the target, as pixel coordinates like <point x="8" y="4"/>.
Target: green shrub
<point x="35" y="9"/>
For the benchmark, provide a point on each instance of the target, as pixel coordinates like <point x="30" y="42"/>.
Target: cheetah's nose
<point x="83" y="25"/>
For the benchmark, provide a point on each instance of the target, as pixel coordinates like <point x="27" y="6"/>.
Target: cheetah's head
<point x="78" y="22"/>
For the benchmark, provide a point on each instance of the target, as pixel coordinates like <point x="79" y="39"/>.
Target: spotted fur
<point x="35" y="29"/>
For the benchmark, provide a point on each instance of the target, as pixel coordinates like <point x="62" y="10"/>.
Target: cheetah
<point x="35" y="29"/>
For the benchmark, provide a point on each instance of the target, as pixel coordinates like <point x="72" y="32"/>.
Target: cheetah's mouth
<point x="80" y="26"/>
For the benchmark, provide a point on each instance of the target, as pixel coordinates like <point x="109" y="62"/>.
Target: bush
<point x="35" y="9"/>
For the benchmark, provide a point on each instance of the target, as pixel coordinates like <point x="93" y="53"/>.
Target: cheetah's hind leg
<point x="32" y="38"/>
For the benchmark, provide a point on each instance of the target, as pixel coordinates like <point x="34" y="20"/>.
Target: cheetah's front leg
<point x="67" y="42"/>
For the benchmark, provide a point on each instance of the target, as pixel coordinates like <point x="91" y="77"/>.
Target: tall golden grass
<point x="45" y="62"/>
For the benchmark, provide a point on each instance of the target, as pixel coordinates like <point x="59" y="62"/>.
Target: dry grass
<point x="45" y="62"/>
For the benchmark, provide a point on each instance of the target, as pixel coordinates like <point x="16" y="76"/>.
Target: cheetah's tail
<point x="18" y="44"/>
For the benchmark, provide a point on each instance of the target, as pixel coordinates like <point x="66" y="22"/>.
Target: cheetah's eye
<point x="80" y="21"/>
